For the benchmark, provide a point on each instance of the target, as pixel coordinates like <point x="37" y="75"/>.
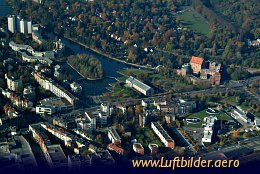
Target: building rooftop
<point x="196" y="60"/>
<point x="138" y="83"/>
<point x="114" y="147"/>
<point x="114" y="133"/>
<point x="138" y="145"/>
<point x="24" y="150"/>
<point x="53" y="101"/>
<point x="57" y="155"/>
<point x="162" y="131"/>
<point x="152" y="146"/>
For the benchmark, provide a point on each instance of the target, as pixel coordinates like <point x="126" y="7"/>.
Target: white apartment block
<point x="113" y="136"/>
<point x="11" y="23"/>
<point x="55" y="88"/>
<point x="16" y="24"/>
<point x="13" y="84"/>
<point x="163" y="135"/>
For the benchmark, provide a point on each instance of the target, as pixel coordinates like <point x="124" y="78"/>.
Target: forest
<point x="150" y="33"/>
<point x="86" y="65"/>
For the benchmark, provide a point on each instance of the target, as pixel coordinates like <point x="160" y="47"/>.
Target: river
<point x="90" y="87"/>
<point x="5" y="9"/>
<point x="96" y="87"/>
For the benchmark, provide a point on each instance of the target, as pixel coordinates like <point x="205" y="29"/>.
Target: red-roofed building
<point x="117" y="149"/>
<point x="197" y="63"/>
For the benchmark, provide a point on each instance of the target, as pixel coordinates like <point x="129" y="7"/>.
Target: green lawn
<point x="133" y="71"/>
<point x="202" y="115"/>
<point x="158" y="80"/>
<point x="232" y="100"/>
<point x="194" y="21"/>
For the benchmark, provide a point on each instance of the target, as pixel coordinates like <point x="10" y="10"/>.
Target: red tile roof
<point x="196" y="60"/>
<point x="114" y="147"/>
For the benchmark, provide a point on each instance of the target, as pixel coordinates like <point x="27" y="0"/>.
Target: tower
<point x="12" y="23"/>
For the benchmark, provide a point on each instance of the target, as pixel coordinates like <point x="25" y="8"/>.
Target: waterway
<point x="5" y="9"/>
<point x="90" y="87"/>
<point x="110" y="67"/>
<point x="96" y="87"/>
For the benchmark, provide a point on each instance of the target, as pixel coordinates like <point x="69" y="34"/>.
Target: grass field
<point x="194" y="21"/>
<point x="232" y="100"/>
<point x="202" y="115"/>
<point x="158" y="80"/>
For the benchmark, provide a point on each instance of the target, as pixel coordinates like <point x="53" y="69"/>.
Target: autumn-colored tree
<point x="196" y="147"/>
<point x="221" y="143"/>
<point x="235" y="133"/>
<point x="138" y="110"/>
<point x="246" y="135"/>
<point x="99" y="139"/>
<point x="178" y="124"/>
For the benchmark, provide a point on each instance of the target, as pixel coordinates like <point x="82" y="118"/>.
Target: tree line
<point x="86" y="65"/>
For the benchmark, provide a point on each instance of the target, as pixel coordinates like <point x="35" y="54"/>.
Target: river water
<point x="97" y="87"/>
<point x="90" y="87"/>
<point x="4" y="8"/>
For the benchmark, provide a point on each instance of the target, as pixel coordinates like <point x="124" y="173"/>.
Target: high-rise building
<point x="29" y="27"/>
<point x="16" y="24"/>
<point x="23" y="26"/>
<point x="11" y="23"/>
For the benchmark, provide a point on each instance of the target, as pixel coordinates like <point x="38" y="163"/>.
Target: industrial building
<point x="139" y="86"/>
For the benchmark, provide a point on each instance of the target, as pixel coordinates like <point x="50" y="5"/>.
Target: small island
<point x="87" y="66"/>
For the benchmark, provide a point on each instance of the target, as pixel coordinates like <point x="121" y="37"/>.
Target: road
<point x="236" y="86"/>
<point x="250" y="143"/>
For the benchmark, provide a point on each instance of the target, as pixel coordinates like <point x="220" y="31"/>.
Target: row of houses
<point x="69" y="140"/>
<point x="55" y="88"/>
<point x="30" y="55"/>
<point x="175" y="106"/>
<point x="17" y="100"/>
<point x="52" y="153"/>
<point x="14" y="84"/>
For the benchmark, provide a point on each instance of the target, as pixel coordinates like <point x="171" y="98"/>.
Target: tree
<point x="196" y="147"/>
<point x="246" y="135"/>
<point x="235" y="133"/>
<point x="99" y="139"/>
<point x="238" y="99"/>
<point x="178" y="124"/>
<point x="138" y="110"/>
<point x="18" y="39"/>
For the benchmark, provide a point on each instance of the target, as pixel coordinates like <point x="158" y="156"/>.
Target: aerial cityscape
<point x="132" y="84"/>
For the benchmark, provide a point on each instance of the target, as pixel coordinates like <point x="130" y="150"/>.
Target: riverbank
<point x="108" y="56"/>
<point x="83" y="77"/>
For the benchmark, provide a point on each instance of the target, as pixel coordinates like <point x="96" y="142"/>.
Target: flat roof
<point x="114" y="133"/>
<point x="53" y="101"/>
<point x="138" y="145"/>
<point x="57" y="155"/>
<point x="162" y="131"/>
